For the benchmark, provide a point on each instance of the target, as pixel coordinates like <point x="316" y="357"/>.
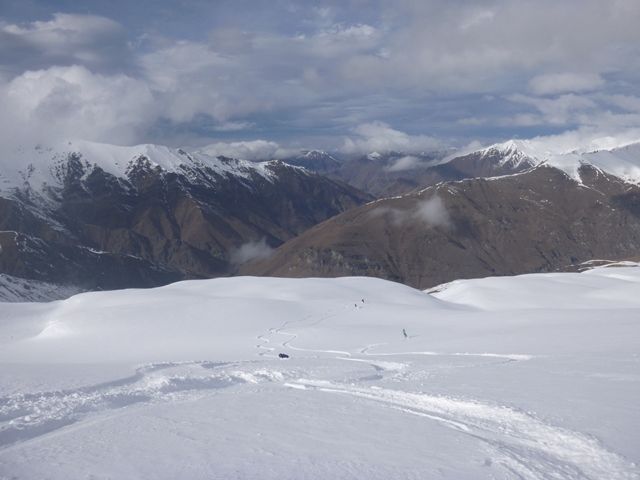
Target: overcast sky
<point x="263" y="77"/>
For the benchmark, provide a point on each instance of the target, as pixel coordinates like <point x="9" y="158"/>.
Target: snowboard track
<point x="521" y="443"/>
<point x="27" y="416"/>
<point x="518" y="441"/>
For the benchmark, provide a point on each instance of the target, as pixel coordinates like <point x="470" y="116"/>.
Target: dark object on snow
<point x="283" y="355"/>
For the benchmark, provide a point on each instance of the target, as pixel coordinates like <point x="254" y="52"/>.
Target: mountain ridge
<point x="539" y="220"/>
<point x="114" y="217"/>
<point x="101" y="216"/>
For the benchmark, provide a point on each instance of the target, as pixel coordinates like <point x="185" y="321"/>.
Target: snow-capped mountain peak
<point x="622" y="161"/>
<point x="314" y="154"/>
<point x="516" y="152"/>
<point x="44" y="167"/>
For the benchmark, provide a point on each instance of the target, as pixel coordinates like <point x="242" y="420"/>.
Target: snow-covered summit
<point x="42" y="167"/>
<point x="622" y="161"/>
<point x="515" y="152"/>
<point x="314" y="154"/>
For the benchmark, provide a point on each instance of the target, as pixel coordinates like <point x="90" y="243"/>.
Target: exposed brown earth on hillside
<point x="538" y="221"/>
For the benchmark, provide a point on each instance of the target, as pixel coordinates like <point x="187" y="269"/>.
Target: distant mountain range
<point x="91" y="216"/>
<point x="99" y="216"/>
<point x="516" y="212"/>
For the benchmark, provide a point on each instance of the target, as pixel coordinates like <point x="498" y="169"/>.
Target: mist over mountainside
<point x="560" y="210"/>
<point x="100" y="216"/>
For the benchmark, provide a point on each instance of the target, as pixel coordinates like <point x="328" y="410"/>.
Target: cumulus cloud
<point x="73" y="103"/>
<point x="431" y="212"/>
<point x="372" y="69"/>
<point x="378" y="136"/>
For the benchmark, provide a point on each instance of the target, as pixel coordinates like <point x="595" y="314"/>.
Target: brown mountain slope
<point x="537" y="221"/>
<point x="153" y="227"/>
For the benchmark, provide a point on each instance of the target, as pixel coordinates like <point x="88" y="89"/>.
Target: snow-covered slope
<point x="622" y="161"/>
<point x="497" y="379"/>
<point x="45" y="166"/>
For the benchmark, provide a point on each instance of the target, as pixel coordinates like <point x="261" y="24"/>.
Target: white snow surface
<point x="38" y="167"/>
<point x="622" y="161"/>
<point x="528" y="377"/>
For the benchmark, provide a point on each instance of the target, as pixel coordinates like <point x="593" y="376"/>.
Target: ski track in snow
<point x="307" y="321"/>
<point x="519" y="442"/>
<point x="526" y="447"/>
<point x="27" y="416"/>
<point x="523" y="445"/>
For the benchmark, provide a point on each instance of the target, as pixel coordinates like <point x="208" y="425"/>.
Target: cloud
<point x="433" y="213"/>
<point x="476" y="46"/>
<point x="233" y="126"/>
<point x="97" y="43"/>
<point x="409" y="162"/>
<point x="557" y="111"/>
<point x="405" y="163"/>
<point x="72" y="103"/>
<point x="373" y="69"/>
<point x="249" y="251"/>
<point x="231" y="40"/>
<point x="430" y="212"/>
<point x="587" y="116"/>
<point x="551" y="84"/>
<point x="191" y="80"/>
<point x="257" y="150"/>
<point x="378" y="136"/>
<point x="629" y="103"/>
<point x="586" y="138"/>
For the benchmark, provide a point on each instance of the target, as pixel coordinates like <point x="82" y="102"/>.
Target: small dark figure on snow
<point x="283" y="355"/>
<point x="404" y="333"/>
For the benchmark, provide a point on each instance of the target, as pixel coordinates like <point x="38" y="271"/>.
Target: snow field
<point x="499" y="379"/>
